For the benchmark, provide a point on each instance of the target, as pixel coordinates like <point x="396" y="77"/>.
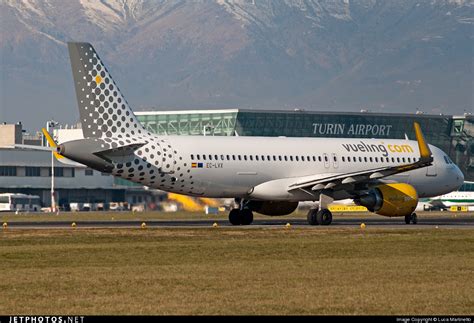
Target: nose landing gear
<point x="411" y="218"/>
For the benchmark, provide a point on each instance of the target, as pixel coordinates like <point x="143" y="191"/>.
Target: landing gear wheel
<point x="312" y="217"/>
<point x="234" y="217"/>
<point x="407" y="219"/>
<point x="324" y="217"/>
<point x="411" y="218"/>
<point x="246" y="217"/>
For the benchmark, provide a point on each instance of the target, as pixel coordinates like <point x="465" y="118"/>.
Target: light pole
<point x="49" y="125"/>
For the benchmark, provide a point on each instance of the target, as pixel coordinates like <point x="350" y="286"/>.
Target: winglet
<point x="425" y="152"/>
<point x="51" y="142"/>
<point x="48" y="137"/>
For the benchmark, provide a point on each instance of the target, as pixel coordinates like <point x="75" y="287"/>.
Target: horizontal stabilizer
<point x="61" y="159"/>
<point x="33" y="147"/>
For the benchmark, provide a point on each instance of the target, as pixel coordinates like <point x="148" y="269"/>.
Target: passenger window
<point x="360" y="159"/>
<point x="203" y="157"/>
<point x="245" y="157"/>
<point x="319" y="158"/>
<point x="222" y="157"/>
<point x="314" y="158"/>
<point x="251" y="157"/>
<point x="256" y="157"/>
<point x="268" y="157"/>
<point x="398" y="159"/>
<point x="403" y="159"/>
<point x="387" y="159"/>
<point x="343" y="159"/>
<point x="240" y="157"/>
<point x="297" y="158"/>
<point x="376" y="159"/>
<point x="192" y="157"/>
<point x="393" y="160"/>
<point x="370" y="159"/>
<point x="233" y="157"/>
<point x="197" y="156"/>
<point x="286" y="158"/>
<point x="228" y="157"/>
<point x="335" y="158"/>
<point x="279" y="158"/>
<point x="365" y="159"/>
<point x="216" y="157"/>
<point x="210" y="157"/>
<point x="291" y="158"/>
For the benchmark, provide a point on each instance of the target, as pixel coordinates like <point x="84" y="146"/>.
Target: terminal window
<point x="32" y="171"/>
<point x="7" y="170"/>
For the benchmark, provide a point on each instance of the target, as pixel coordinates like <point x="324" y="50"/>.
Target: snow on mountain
<point x="395" y="55"/>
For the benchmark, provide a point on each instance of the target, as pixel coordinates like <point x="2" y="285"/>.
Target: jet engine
<point x="272" y="208"/>
<point x="390" y="199"/>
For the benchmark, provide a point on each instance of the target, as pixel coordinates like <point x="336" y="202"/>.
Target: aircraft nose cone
<point x="459" y="176"/>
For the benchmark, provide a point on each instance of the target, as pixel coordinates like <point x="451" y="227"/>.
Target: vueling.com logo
<point x="379" y="148"/>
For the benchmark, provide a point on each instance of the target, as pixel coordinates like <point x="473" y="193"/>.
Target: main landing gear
<point x="319" y="217"/>
<point x="411" y="218"/>
<point x="240" y="217"/>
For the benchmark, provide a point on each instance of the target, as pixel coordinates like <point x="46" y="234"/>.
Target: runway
<point x="376" y="222"/>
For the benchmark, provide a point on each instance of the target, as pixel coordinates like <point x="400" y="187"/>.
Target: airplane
<point x="267" y="175"/>
<point x="462" y="197"/>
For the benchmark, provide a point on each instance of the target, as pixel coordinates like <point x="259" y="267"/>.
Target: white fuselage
<point x="233" y="166"/>
<point x="456" y="198"/>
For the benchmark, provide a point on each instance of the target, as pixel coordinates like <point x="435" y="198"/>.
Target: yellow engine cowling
<point x="390" y="199"/>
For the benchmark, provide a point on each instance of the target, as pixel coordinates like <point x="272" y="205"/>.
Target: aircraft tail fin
<point x="103" y="110"/>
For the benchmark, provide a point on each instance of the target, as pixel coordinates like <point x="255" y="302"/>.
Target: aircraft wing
<point x="338" y="181"/>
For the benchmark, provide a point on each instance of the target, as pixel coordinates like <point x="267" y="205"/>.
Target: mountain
<point x="385" y="56"/>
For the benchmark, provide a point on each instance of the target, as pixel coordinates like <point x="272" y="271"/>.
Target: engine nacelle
<point x="390" y="199"/>
<point x="272" y="208"/>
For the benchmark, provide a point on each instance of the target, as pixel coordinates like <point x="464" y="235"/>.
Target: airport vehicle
<point x="462" y="197"/>
<point x="268" y="175"/>
<point x="19" y="202"/>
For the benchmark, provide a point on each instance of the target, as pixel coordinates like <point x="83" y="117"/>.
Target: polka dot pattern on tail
<point x="100" y="101"/>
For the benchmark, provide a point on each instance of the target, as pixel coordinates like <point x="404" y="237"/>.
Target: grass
<point x="237" y="271"/>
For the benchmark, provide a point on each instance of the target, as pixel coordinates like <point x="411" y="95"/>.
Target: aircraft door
<point x="326" y="160"/>
<point x="431" y="170"/>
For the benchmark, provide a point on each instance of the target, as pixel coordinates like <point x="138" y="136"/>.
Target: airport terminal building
<point x="453" y="134"/>
<point x="29" y="172"/>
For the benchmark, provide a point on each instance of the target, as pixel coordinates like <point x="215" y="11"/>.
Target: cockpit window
<point x="448" y="160"/>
